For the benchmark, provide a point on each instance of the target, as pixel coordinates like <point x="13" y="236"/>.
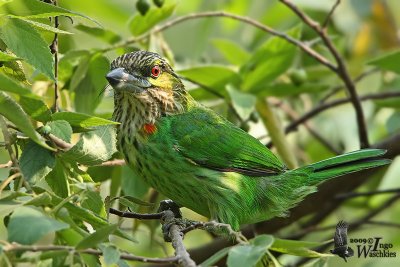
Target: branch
<point x="357" y="79"/>
<point x="139" y="216"/>
<point x="8" y="180"/>
<point x="174" y="232"/>
<point x="54" y="50"/>
<point x="59" y="142"/>
<point x="370" y="193"/>
<point x="6" y="165"/>
<point x="330" y="14"/>
<point x="357" y="224"/>
<point x="293" y="115"/>
<point x="341" y="71"/>
<point x="321" y="202"/>
<point x="8" y="142"/>
<point x="324" y="106"/>
<point x="14" y="247"/>
<point x="311" y="52"/>
<point x="176" y="237"/>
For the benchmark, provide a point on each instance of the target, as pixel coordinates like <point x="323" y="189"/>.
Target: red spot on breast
<point x="149" y="128"/>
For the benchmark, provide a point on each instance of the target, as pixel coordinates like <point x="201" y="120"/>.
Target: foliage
<point x="58" y="132"/>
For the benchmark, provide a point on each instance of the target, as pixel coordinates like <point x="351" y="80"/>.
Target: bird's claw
<point x="177" y="220"/>
<point x="170" y="205"/>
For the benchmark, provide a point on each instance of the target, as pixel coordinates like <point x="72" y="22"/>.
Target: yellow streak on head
<point x="164" y="82"/>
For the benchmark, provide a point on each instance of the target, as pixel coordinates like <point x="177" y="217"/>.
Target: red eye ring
<point x="155" y="71"/>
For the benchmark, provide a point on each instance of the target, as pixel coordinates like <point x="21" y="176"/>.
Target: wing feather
<point x="209" y="140"/>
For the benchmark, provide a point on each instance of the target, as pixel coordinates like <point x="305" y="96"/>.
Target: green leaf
<point x="14" y="113"/>
<point x="132" y="202"/>
<point x="36" y="162"/>
<point x="27" y="225"/>
<point x="80" y="71"/>
<point x="215" y="77"/>
<point x="61" y="129"/>
<point x="14" y="69"/>
<point x="107" y="36"/>
<point x="388" y="61"/>
<point x="35" y="108"/>
<point x="243" y="103"/>
<point x="57" y="179"/>
<point x="2" y="2"/>
<point x="42" y="199"/>
<point x="9" y="85"/>
<point x="82" y="120"/>
<point x="36" y="52"/>
<point x="140" y="24"/>
<point x="269" y="61"/>
<point x="264" y="241"/>
<point x="41" y="26"/>
<point x="7" y="57"/>
<point x="40" y="9"/>
<point x="97" y="237"/>
<point x="297" y="248"/>
<point x="248" y="255"/>
<point x="93" y="147"/>
<point x="215" y="258"/>
<point x="90" y="87"/>
<point x="111" y="255"/>
<point x="92" y="201"/>
<point x="232" y="51"/>
<point x="132" y="184"/>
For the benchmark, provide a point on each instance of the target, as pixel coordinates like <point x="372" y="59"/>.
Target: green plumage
<point x="203" y="162"/>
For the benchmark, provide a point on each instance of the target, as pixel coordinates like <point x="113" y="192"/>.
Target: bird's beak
<point x="119" y="79"/>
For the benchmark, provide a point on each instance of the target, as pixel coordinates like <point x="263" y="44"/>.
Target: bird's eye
<point x="155" y="71"/>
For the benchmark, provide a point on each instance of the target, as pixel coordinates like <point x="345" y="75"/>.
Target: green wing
<point x="211" y="141"/>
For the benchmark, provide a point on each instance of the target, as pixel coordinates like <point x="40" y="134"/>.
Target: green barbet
<point x="198" y="158"/>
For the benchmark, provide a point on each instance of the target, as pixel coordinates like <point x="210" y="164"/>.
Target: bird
<point x="340" y="241"/>
<point x="199" y="159"/>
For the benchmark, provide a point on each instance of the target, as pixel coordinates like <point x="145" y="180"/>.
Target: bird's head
<point x="145" y="76"/>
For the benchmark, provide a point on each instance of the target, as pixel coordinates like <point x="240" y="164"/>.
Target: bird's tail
<point x="347" y="163"/>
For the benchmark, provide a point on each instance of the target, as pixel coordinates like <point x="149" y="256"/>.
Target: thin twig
<point x="65" y="146"/>
<point x="358" y="223"/>
<point x="330" y="14"/>
<point x="7" y="140"/>
<point x="14" y="247"/>
<point x="370" y="193"/>
<point x="381" y="223"/>
<point x="357" y="79"/>
<point x="6" y="165"/>
<point x="341" y="71"/>
<point x="244" y="19"/>
<point x="5" y="182"/>
<point x="325" y="106"/>
<point x="294" y="116"/>
<point x="218" y="229"/>
<point x="139" y="216"/>
<point x="54" y="50"/>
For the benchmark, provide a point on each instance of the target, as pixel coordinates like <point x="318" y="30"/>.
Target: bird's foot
<point x="224" y="229"/>
<point x="169" y="219"/>
<point x="168" y="204"/>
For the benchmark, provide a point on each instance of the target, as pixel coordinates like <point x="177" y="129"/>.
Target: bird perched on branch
<point x="198" y="158"/>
